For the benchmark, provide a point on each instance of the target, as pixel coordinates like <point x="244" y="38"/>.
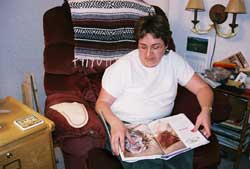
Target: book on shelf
<point x="225" y="132"/>
<point x="231" y="125"/>
<point x="228" y="132"/>
<point x="28" y="122"/>
<point x="163" y="138"/>
<point x="227" y="142"/>
<point x="236" y="126"/>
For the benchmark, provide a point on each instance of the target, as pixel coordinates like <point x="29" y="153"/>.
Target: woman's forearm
<point x="205" y="98"/>
<point x="104" y="108"/>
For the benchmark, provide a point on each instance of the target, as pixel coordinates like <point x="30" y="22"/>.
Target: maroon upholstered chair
<point x="65" y="81"/>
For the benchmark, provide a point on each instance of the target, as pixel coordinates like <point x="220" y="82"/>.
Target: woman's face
<point x="151" y="50"/>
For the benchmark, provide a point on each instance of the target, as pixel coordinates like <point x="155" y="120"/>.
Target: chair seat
<point x="102" y="159"/>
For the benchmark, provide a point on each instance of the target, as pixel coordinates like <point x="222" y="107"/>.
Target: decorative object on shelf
<point x="218" y="15"/>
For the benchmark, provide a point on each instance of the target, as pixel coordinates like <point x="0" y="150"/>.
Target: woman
<point x="142" y="86"/>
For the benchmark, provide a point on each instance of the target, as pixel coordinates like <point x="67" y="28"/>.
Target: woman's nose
<point x="149" y="51"/>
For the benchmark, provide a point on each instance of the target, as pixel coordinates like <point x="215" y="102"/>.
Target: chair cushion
<point x="75" y="159"/>
<point x="99" y="158"/>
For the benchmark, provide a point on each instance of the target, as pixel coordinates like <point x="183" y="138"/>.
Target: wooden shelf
<point x="240" y="102"/>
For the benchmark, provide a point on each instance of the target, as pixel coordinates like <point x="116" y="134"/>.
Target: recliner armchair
<point x="65" y="81"/>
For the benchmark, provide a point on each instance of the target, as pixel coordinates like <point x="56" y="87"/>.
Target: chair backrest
<point x="63" y="72"/>
<point x="67" y="33"/>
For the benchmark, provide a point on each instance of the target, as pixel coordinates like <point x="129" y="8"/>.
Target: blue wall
<point x="21" y="44"/>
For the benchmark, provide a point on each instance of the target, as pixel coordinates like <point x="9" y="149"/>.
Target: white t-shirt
<point x="144" y="94"/>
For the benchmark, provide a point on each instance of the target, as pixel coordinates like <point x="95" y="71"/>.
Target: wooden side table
<point x="234" y="134"/>
<point x="28" y="149"/>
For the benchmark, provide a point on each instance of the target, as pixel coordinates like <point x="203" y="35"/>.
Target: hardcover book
<point x="163" y="138"/>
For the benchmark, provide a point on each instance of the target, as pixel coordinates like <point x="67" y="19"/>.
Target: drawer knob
<point x="9" y="155"/>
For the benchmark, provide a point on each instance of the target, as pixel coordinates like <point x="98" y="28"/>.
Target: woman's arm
<point x="118" y="129"/>
<point x="205" y="97"/>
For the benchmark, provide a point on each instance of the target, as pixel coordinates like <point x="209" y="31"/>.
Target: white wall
<point x="21" y="44"/>
<point x="180" y="20"/>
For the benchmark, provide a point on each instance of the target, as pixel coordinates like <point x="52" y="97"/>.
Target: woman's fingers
<point x="117" y="143"/>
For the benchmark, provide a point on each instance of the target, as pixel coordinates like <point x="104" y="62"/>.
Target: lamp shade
<point x="195" y="4"/>
<point x="236" y="6"/>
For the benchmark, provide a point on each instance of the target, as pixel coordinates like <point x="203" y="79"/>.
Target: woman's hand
<point x="205" y="97"/>
<point x="203" y="119"/>
<point x="118" y="134"/>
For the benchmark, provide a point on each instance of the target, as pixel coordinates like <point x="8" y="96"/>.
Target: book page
<point x="183" y="128"/>
<point x="145" y="146"/>
<point x="165" y="135"/>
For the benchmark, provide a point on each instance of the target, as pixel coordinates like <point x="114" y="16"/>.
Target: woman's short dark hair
<point x="156" y="25"/>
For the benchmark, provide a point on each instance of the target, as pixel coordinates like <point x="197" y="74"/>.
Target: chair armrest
<point x="187" y="103"/>
<point x="63" y="129"/>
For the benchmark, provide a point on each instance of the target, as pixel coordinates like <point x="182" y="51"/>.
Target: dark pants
<point x="182" y="161"/>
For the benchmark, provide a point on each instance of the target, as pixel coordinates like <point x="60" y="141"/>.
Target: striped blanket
<point x="103" y="29"/>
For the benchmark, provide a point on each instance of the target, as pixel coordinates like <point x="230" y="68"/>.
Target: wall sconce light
<point x="218" y="15"/>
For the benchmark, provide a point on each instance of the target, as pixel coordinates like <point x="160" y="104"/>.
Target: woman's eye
<point x="143" y="47"/>
<point x="156" y="47"/>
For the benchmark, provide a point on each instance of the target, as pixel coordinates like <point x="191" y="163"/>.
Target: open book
<point x="163" y="138"/>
